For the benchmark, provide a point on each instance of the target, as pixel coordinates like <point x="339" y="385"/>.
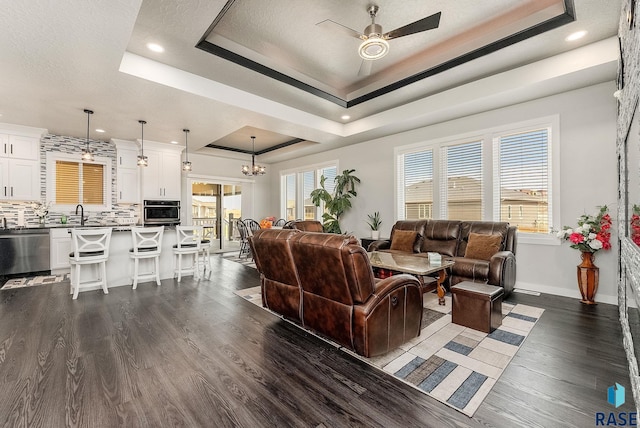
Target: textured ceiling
<point x="61" y="57"/>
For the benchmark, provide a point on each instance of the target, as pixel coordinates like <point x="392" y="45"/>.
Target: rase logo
<point x="615" y="397"/>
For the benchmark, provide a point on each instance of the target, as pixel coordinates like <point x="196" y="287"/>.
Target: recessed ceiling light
<point x="100" y="130"/>
<point x="174" y="142"/>
<point x="345" y="117"/>
<point x="155" y="47"/>
<point x="575" y="36"/>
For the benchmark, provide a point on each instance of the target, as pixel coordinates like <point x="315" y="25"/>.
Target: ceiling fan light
<point x="373" y="48"/>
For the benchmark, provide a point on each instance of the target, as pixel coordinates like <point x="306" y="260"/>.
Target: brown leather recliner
<point x="339" y="296"/>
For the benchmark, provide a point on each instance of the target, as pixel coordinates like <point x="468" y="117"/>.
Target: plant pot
<point x="588" y="274"/>
<point x="375" y="234"/>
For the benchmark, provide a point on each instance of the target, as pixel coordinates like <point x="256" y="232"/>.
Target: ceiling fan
<point x="374" y="42"/>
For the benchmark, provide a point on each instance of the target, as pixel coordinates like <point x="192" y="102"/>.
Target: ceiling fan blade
<point x="330" y="25"/>
<point x="365" y="68"/>
<point x="424" y="24"/>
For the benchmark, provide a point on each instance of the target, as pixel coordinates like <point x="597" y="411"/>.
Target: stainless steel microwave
<point x="156" y="213"/>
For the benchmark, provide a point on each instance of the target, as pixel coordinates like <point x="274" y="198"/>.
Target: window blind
<point x="308" y="185"/>
<point x="461" y="181"/>
<point x="67" y="179"/>
<point x="416" y="191"/>
<point x="92" y="184"/>
<point x="524" y="180"/>
<point x="290" y="196"/>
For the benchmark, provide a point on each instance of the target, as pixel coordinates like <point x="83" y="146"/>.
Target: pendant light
<point x="87" y="154"/>
<point x="253" y="169"/>
<point x="186" y="165"/>
<point x="142" y="159"/>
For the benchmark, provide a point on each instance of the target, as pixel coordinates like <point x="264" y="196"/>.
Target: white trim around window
<point x="298" y="185"/>
<point x="435" y="181"/>
<point x="52" y="157"/>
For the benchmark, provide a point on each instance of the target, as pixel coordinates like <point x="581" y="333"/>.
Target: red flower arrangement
<point x="635" y="225"/>
<point x="593" y="232"/>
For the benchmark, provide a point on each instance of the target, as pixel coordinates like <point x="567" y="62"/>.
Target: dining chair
<point x="245" y="250"/>
<point x="188" y="243"/>
<point x="252" y="225"/>
<point x="280" y="222"/>
<point x="147" y="244"/>
<point x="89" y="247"/>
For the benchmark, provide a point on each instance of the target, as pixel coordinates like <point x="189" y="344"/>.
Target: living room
<point x="571" y="92"/>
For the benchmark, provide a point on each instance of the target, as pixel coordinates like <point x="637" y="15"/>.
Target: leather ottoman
<point x="477" y="306"/>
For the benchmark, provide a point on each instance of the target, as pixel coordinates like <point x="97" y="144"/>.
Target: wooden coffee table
<point x="419" y="266"/>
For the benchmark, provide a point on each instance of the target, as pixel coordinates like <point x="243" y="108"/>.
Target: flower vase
<point x="588" y="278"/>
<point x="375" y="234"/>
<point x="41" y="221"/>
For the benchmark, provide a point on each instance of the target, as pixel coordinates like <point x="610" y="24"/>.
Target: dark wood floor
<point x="194" y="354"/>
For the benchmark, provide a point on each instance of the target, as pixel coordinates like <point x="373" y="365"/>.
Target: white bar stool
<point x="147" y="244"/>
<point x="188" y="244"/>
<point x="90" y="247"/>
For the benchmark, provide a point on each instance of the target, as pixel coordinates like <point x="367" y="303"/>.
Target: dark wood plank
<point x="195" y="354"/>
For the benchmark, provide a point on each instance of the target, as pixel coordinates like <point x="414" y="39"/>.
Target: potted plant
<point x="374" y="223"/>
<point x="339" y="202"/>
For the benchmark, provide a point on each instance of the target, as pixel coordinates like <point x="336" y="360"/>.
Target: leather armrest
<point x="381" y="244"/>
<point x="502" y="270"/>
<point x="387" y="286"/>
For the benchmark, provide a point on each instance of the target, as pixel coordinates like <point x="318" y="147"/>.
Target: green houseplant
<point x="339" y="202"/>
<point x="374" y="223"/>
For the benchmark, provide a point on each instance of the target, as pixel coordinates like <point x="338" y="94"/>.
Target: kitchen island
<point x="119" y="265"/>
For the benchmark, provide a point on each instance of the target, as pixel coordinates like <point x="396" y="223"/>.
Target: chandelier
<point x="142" y="159"/>
<point x="87" y="154"/>
<point x="186" y="165"/>
<point x="253" y="169"/>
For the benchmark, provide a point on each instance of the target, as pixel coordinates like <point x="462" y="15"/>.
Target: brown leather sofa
<point x="305" y="225"/>
<point x="451" y="239"/>
<point x="325" y="283"/>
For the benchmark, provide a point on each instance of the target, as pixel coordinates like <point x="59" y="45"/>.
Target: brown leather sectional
<point x="325" y="283"/>
<point x="450" y="238"/>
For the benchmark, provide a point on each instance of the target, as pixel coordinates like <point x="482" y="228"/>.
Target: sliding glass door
<point x="217" y="207"/>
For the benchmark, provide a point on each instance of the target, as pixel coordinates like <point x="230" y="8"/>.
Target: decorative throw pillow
<point x="403" y="240"/>
<point x="482" y="247"/>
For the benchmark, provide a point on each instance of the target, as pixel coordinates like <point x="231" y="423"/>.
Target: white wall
<point x="587" y="168"/>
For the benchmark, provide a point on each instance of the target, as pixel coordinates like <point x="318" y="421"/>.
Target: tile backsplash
<point x="21" y="213"/>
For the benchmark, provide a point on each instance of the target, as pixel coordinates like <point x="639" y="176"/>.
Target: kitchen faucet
<point x="81" y="213"/>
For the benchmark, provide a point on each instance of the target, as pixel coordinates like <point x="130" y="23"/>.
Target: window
<point x="78" y="182"/>
<point x="296" y="188"/>
<point x="461" y="192"/>
<point x="501" y="174"/>
<point x="416" y="189"/>
<point x="522" y="177"/>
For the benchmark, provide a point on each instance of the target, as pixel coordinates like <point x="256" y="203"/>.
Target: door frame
<point x="247" y="188"/>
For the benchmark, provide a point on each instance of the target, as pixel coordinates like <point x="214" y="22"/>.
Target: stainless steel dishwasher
<point x="24" y="251"/>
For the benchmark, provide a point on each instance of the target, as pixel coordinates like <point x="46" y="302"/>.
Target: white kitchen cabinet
<point x="161" y="178"/>
<point x="128" y="172"/>
<point x="60" y="240"/>
<point x="19" y="179"/>
<point x="20" y="147"/>
<point x="20" y="162"/>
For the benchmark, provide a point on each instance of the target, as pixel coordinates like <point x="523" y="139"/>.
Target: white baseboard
<point x="556" y="291"/>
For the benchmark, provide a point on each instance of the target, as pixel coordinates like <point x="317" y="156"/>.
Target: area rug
<point x="247" y="261"/>
<point x="34" y="281"/>
<point x="456" y="365"/>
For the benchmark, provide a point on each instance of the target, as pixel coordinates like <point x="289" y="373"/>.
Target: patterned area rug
<point x="34" y="281"/>
<point x="247" y="261"/>
<point x="455" y="365"/>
